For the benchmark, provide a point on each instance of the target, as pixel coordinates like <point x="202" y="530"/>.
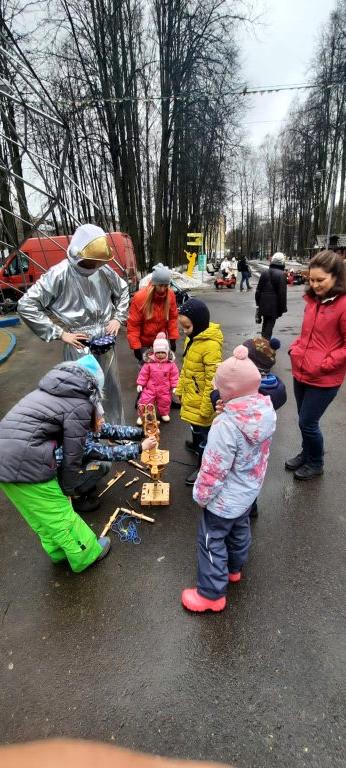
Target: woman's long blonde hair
<point x="149" y="301"/>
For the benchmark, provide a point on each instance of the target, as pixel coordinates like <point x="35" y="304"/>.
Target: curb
<point x="12" y="343"/>
<point x="6" y="322"/>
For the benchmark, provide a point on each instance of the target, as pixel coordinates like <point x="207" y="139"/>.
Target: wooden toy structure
<point x="154" y="494"/>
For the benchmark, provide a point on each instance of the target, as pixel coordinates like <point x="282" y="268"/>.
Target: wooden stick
<point x="135" y="480"/>
<point x="136" y="514"/>
<point x="138" y="467"/>
<point x="111" y="482"/>
<point x="135" y="464"/>
<point x="110" y="521"/>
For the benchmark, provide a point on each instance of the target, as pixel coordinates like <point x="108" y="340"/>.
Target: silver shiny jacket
<point x="77" y="302"/>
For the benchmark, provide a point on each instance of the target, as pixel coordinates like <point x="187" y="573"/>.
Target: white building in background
<point x="220" y="242"/>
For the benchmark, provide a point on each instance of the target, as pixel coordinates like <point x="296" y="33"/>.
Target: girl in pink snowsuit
<point x="158" y="377"/>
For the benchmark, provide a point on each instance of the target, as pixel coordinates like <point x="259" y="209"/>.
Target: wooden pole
<point x="111" y="482"/>
<point x="139" y="468"/>
<point x="136" y="514"/>
<point x="110" y="521"/>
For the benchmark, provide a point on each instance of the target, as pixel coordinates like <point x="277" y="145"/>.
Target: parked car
<point x="22" y="268"/>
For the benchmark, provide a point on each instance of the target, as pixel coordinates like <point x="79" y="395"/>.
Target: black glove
<point x="173" y="344"/>
<point x="138" y="354"/>
<point x="258" y="317"/>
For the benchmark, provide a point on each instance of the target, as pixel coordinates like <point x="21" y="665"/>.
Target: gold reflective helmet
<point x="97" y="250"/>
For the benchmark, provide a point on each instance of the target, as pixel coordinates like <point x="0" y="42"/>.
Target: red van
<point x="38" y="254"/>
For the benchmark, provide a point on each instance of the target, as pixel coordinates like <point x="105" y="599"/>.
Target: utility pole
<point x="332" y="200"/>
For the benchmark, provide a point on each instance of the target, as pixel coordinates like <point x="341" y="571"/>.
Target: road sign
<point x="195" y="238"/>
<point x="202" y="262"/>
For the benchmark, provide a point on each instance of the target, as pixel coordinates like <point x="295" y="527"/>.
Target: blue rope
<point x="126" y="529"/>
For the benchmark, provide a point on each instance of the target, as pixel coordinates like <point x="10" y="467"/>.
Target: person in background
<point x="271" y="294"/>
<point x="153" y="310"/>
<point x="231" y="475"/>
<point x="234" y="265"/>
<point x="225" y="267"/>
<point x="61" y="412"/>
<point x="318" y="358"/>
<point x="244" y="268"/>
<point x="158" y="378"/>
<point x="202" y="354"/>
<point x="78" y="299"/>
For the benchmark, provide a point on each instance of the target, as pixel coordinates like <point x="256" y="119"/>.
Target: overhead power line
<point x="244" y="91"/>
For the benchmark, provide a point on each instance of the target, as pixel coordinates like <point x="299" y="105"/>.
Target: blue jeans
<point x="311" y="404"/>
<point x="245" y="278"/>
<point x="223" y="546"/>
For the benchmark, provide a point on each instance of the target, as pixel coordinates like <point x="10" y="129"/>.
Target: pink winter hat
<point x="161" y="343"/>
<point x="237" y="376"/>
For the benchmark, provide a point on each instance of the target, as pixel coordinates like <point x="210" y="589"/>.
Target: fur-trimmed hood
<point x="149" y="357"/>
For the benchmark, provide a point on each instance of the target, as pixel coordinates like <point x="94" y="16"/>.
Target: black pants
<point x="267" y="327"/>
<point x="222" y="547"/>
<point x="90" y="476"/>
<point x="311" y="404"/>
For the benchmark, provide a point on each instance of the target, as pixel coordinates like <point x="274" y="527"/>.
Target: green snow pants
<point x="63" y="534"/>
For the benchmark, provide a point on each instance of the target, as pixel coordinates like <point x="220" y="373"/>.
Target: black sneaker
<point x="84" y="504"/>
<point x="295" y="463"/>
<point x="191" y="479"/>
<point x="308" y="473"/>
<point x="190" y="445"/>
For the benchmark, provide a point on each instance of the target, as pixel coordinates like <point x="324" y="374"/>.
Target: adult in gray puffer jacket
<point x="59" y="413"/>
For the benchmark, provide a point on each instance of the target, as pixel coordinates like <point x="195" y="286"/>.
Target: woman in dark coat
<point x="245" y="270"/>
<point x="271" y="294"/>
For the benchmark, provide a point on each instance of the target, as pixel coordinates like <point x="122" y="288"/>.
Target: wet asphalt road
<point x="110" y="654"/>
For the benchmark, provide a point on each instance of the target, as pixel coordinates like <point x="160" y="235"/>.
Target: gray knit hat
<point x="161" y="275"/>
<point x="279" y="259"/>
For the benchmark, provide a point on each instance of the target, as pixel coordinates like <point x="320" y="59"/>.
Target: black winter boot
<point x="307" y="473"/>
<point x="295" y="463"/>
<point x="191" y="479"/>
<point x="191" y="446"/>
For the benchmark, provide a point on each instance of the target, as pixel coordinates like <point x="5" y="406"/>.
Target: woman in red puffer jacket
<point x="153" y="310"/>
<point x="318" y="358"/>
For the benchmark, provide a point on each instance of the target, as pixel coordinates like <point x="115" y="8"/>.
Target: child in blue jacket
<point x="232" y="473"/>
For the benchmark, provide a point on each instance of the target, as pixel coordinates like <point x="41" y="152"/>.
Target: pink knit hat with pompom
<point x="161" y="344"/>
<point x="237" y="376"/>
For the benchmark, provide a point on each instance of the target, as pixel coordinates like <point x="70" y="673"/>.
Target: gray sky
<point x="279" y="52"/>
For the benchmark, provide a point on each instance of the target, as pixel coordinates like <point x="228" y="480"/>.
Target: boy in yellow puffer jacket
<point x="202" y="354"/>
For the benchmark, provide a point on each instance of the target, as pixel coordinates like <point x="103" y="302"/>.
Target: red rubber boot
<point x="197" y="603"/>
<point x="234" y="577"/>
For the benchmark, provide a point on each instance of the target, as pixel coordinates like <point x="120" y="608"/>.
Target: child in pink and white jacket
<point x="232" y="472"/>
<point x="158" y="377"/>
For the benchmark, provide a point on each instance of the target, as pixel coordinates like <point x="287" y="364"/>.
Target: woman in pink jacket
<point x="318" y="358"/>
<point x="157" y="378"/>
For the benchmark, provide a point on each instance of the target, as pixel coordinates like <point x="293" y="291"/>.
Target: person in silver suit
<point x="78" y="299"/>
